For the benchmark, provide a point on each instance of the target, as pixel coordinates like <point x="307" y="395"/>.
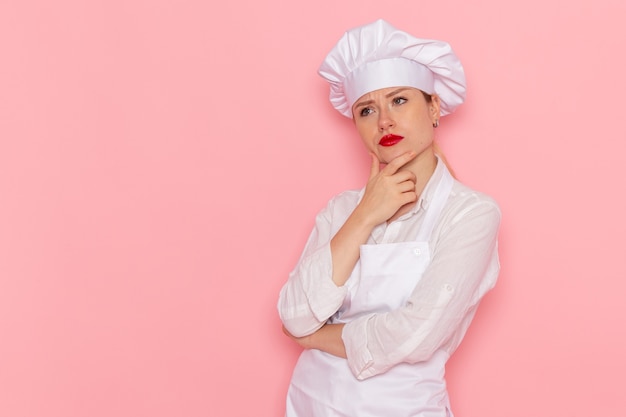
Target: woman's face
<point x="394" y="120"/>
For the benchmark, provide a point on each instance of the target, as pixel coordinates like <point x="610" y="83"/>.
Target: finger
<point x="405" y="175"/>
<point x="375" y="169"/>
<point x="397" y="163"/>
<point x="406" y="186"/>
<point x="409" y="197"/>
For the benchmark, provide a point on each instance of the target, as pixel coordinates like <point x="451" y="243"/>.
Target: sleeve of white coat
<point x="464" y="267"/>
<point x="310" y="296"/>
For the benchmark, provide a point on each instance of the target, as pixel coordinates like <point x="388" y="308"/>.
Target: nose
<point x="385" y="121"/>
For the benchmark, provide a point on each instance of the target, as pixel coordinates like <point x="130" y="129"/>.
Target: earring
<point x="436" y="124"/>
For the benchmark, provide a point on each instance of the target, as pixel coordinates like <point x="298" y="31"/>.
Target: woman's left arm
<point x="464" y="267"/>
<point x="327" y="338"/>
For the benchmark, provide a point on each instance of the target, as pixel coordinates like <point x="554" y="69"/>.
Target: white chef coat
<point x="463" y="267"/>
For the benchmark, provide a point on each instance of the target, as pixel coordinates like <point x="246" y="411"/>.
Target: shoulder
<point x="345" y="200"/>
<point x="461" y="193"/>
<point x="340" y="206"/>
<point x="348" y="197"/>
<point x="466" y="202"/>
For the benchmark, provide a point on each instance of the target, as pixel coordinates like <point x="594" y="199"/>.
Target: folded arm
<point x="464" y="267"/>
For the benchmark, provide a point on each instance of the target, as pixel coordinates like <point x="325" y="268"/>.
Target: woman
<point x="391" y="275"/>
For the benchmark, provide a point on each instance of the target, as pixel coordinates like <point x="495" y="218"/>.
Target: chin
<point x="391" y="153"/>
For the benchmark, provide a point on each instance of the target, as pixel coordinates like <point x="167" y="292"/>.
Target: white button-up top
<point x="464" y="267"/>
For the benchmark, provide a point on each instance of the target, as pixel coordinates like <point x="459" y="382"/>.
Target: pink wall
<point x="161" y="163"/>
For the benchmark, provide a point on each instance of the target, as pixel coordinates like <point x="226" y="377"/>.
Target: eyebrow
<point x="393" y="93"/>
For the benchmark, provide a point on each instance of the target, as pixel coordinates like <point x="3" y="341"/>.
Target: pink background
<point x="161" y="163"/>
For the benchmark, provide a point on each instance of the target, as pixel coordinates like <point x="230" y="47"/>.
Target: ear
<point x="435" y="108"/>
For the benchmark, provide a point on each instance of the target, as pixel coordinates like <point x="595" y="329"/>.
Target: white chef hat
<point x="378" y="55"/>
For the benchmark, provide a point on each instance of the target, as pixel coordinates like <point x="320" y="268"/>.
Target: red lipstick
<point x="390" y="140"/>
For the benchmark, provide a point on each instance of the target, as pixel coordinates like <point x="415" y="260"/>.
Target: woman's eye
<point x="365" y="112"/>
<point x="399" y="100"/>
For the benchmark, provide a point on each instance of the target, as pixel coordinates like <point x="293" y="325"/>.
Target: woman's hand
<point x="388" y="190"/>
<point x="327" y="338"/>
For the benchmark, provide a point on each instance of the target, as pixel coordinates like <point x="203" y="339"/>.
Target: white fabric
<point x="360" y="63"/>
<point x="384" y="73"/>
<point x="463" y="267"/>
<point x="388" y="274"/>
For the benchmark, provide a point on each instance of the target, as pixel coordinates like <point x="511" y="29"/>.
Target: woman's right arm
<point x="386" y="192"/>
<point x="315" y="288"/>
<point x="310" y="297"/>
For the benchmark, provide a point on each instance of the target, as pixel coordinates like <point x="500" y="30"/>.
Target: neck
<point x="423" y="166"/>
